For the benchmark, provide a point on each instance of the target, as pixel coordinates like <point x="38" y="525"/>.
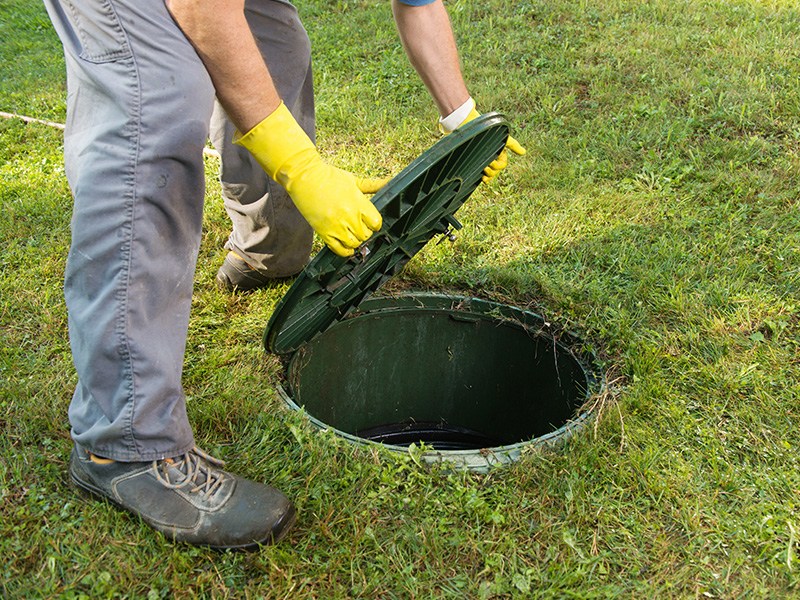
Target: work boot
<point x="188" y="499"/>
<point x="236" y="274"/>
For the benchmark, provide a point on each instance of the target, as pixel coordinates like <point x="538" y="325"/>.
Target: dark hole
<point x="451" y="379"/>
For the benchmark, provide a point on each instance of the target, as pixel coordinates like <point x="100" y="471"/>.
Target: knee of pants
<point x="283" y="43"/>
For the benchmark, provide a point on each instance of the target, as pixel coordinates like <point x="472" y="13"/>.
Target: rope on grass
<point x="6" y="115"/>
<point x="24" y="119"/>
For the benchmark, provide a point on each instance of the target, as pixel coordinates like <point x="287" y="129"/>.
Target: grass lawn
<point x="657" y="213"/>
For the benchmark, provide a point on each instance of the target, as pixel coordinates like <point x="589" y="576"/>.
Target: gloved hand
<point x="330" y="199"/>
<point x="499" y="163"/>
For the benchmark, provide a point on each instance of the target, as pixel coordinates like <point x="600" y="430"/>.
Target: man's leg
<point x="270" y="238"/>
<point x="139" y="101"/>
<point x="138" y="106"/>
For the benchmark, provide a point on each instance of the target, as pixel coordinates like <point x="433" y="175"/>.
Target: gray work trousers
<point x="139" y="112"/>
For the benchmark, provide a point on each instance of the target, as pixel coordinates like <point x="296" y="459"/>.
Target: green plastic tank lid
<point x="418" y="204"/>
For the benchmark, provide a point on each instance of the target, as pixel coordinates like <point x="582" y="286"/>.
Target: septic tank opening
<point x="473" y="380"/>
<point x="476" y="381"/>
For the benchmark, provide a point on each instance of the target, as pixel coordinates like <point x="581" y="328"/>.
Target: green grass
<point x="656" y="213"/>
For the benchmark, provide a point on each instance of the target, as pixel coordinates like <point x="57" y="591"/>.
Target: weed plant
<point x="656" y="214"/>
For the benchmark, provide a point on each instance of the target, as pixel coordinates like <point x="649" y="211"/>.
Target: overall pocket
<point x="91" y="30"/>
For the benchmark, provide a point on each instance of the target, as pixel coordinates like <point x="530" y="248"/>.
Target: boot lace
<point x="194" y="469"/>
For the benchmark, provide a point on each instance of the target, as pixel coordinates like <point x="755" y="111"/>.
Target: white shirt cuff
<point x="456" y="118"/>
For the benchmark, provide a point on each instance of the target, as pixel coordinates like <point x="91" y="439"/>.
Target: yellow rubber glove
<point x="499" y="163"/>
<point x="330" y="199"/>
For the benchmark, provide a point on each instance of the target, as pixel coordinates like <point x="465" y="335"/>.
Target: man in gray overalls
<point x="142" y="77"/>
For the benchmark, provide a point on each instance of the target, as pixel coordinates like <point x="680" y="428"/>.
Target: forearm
<point x="428" y="40"/>
<point x="330" y="199"/>
<point x="220" y="34"/>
